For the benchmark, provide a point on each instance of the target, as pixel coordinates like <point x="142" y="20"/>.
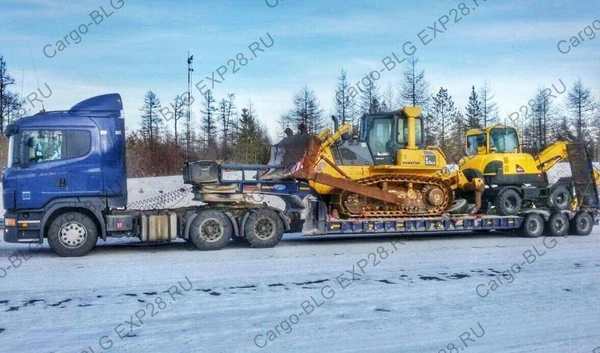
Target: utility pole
<point x="190" y="59"/>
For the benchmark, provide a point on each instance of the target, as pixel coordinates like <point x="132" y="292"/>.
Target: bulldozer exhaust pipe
<point x="336" y="123"/>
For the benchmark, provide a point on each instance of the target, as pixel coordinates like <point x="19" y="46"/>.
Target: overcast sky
<point x="142" y="45"/>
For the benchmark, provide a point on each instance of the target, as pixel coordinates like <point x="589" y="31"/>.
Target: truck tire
<point x="72" y="234"/>
<point x="581" y="224"/>
<point x="211" y="230"/>
<point x="560" y="198"/>
<point x="263" y="229"/>
<point x="558" y="224"/>
<point x="532" y="227"/>
<point x="459" y="206"/>
<point x="508" y="202"/>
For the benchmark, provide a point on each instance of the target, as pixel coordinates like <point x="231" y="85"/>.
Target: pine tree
<point x="307" y="110"/>
<point x="226" y="115"/>
<point x="430" y="130"/>
<point x="179" y="112"/>
<point x="287" y="121"/>
<point x="369" y="98"/>
<point x="151" y="122"/>
<point x="457" y="138"/>
<point x="489" y="108"/>
<point x="445" y="115"/>
<point x="5" y="100"/>
<point x="388" y="98"/>
<point x="414" y="88"/>
<point x="13" y="108"/>
<point x="251" y="141"/>
<point x="543" y="116"/>
<point x="581" y="104"/>
<point x="345" y="104"/>
<point x="209" y="126"/>
<point x="474" y="112"/>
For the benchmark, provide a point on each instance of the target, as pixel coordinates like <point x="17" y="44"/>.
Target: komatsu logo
<point x="410" y="162"/>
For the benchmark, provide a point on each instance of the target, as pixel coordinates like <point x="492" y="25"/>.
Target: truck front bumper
<point x="20" y="230"/>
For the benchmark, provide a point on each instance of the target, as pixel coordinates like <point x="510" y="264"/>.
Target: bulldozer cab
<point x="495" y="139"/>
<point x="386" y="133"/>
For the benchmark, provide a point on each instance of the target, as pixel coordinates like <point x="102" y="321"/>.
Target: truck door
<point x="50" y="163"/>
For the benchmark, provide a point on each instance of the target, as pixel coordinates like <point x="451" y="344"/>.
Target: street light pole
<point x="190" y="59"/>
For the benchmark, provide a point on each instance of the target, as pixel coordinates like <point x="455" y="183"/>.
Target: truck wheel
<point x="560" y="199"/>
<point x="558" y="224"/>
<point x="459" y="206"/>
<point x="582" y="224"/>
<point x="72" y="234"/>
<point x="263" y="228"/>
<point x="211" y="230"/>
<point x="508" y="202"/>
<point x="532" y="227"/>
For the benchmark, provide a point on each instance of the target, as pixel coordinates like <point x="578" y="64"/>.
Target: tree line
<point x="549" y="117"/>
<point x="219" y="130"/>
<point x="222" y="132"/>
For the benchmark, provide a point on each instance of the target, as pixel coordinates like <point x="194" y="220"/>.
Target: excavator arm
<point x="556" y="153"/>
<point x="552" y="155"/>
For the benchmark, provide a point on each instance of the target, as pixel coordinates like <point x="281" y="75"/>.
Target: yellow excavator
<point x="386" y="171"/>
<point x="516" y="180"/>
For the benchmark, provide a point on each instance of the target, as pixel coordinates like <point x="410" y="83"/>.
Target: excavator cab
<point x="496" y="139"/>
<point x="494" y="153"/>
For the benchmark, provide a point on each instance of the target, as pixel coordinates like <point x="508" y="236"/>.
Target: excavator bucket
<point x="295" y="157"/>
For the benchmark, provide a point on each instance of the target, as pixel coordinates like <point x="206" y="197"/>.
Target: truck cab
<point x="64" y="160"/>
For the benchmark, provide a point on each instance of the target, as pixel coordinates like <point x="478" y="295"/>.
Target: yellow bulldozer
<point x="386" y="171"/>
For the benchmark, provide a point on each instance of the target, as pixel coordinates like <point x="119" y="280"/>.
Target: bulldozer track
<point x="379" y="209"/>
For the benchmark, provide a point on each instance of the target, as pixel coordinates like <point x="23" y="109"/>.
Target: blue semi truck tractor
<point x="66" y="181"/>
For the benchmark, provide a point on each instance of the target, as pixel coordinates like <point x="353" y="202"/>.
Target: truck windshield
<point x="504" y="140"/>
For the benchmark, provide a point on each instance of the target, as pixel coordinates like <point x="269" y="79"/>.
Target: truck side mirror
<point x="24" y="147"/>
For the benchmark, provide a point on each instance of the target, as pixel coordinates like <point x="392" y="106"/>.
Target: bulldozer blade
<point x="295" y="155"/>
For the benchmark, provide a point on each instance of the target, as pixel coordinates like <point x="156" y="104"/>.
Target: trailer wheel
<point x="263" y="229"/>
<point x="459" y="206"/>
<point x="508" y="202"/>
<point x="582" y="224"/>
<point x="211" y="230"/>
<point x="558" y="224"/>
<point x="72" y="234"/>
<point x="532" y="227"/>
<point x="560" y="199"/>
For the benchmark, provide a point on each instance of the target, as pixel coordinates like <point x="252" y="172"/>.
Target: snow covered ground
<point x="315" y="295"/>
<point x="436" y="293"/>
